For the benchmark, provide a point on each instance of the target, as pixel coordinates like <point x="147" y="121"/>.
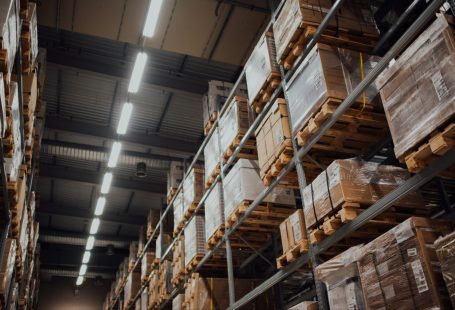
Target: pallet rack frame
<point x="377" y="208"/>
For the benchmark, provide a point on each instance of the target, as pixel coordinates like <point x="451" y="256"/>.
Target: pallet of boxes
<point x="174" y="178"/>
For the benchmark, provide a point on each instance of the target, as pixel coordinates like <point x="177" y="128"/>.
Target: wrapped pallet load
<point x="9" y="23"/>
<point x="418" y="94"/>
<point x="132" y="286"/>
<point x="146" y="265"/>
<point x="349" y="186"/>
<point x="13" y="157"/>
<point x="165" y="278"/>
<point x="193" y="188"/>
<point x="194" y="241"/>
<point x="6" y="269"/>
<point x="153" y="289"/>
<point x="445" y="249"/>
<point x="298" y="20"/>
<point x="214" y="215"/>
<point x="162" y="243"/>
<point x="153" y="218"/>
<point x="177" y="302"/>
<point x="213" y="101"/>
<point x="211" y="159"/>
<point x="29" y="39"/>
<point x="134" y="246"/>
<point x="144" y="300"/>
<point x="174" y="178"/>
<point x="177" y="207"/>
<point x="178" y="261"/>
<point x="262" y="72"/>
<point x="293" y="238"/>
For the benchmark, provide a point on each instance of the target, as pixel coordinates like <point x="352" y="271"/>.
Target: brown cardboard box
<point x="6" y="269"/>
<point x="178" y="260"/>
<point x="153" y="218"/>
<point x="445" y="249"/>
<point x="132" y="286"/>
<point x="292" y="230"/>
<point x="146" y="265"/>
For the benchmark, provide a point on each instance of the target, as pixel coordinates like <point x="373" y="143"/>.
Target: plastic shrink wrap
<point x="194" y="238"/>
<point x="178" y="259"/>
<point x="177" y="207"/>
<point x="193" y="188"/>
<point x="165" y="278"/>
<point x="211" y="155"/>
<point x="445" y="249"/>
<point x="354" y="181"/>
<point x="418" y="90"/>
<point x="214" y="211"/>
<point x="12" y="164"/>
<point x="162" y="243"/>
<point x="244" y="183"/>
<point x="9" y="37"/>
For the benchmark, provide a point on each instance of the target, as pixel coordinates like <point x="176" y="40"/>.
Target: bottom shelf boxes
<point x="445" y="249"/>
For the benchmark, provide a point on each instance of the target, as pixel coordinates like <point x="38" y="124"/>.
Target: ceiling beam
<point x="172" y="145"/>
<point x="55" y="209"/>
<point x="91" y="177"/>
<point x="73" y="272"/>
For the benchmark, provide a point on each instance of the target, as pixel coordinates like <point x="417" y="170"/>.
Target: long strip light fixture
<point x="151" y="23"/>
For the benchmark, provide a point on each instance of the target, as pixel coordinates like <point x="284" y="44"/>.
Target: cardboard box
<point x="193" y="188"/>
<point x="177" y="302"/>
<point x="6" y="269"/>
<point x="177" y="207"/>
<point x="445" y="249"/>
<point x="178" y="259"/>
<point x="146" y="265"/>
<point x="132" y="286"/>
<point x="165" y="279"/>
<point x="211" y="156"/>
<point x="306" y="305"/>
<point x="292" y="230"/>
<point x="174" y="175"/>
<point x="9" y="37"/>
<point x="194" y="238"/>
<point x="214" y="211"/>
<point x="153" y="218"/>
<point x="418" y="90"/>
<point x="162" y="243"/>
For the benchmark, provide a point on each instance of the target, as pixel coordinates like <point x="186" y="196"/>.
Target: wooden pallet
<point x="354" y="133"/>
<point x="375" y="227"/>
<point x="217" y="235"/>
<point x="292" y="254"/>
<point x="170" y="195"/>
<point x="264" y="95"/>
<point x="336" y="37"/>
<point x="192" y="208"/>
<point x="266" y="217"/>
<point x="211" y="179"/>
<point x="179" y="278"/>
<point x="248" y="151"/>
<point x="439" y="143"/>
<point x="179" y="227"/>
<point x="210" y="122"/>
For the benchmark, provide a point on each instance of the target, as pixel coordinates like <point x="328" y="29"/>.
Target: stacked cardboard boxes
<point x="174" y="177"/>
<point x="445" y="249"/>
<point x="214" y="215"/>
<point x="194" y="241"/>
<point x="193" y="188"/>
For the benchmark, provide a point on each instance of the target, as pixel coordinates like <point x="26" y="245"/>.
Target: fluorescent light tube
<point x="152" y="18"/>
<point x="90" y="243"/>
<point x="100" y="206"/>
<point x="115" y="152"/>
<point x="86" y="257"/>
<point x="79" y="280"/>
<point x="138" y="71"/>
<point x="95" y="225"/>
<point x="83" y="269"/>
<point x="107" y="180"/>
<point x="124" y="118"/>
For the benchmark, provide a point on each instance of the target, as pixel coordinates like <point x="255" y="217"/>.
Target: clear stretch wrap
<point x="235" y="121"/>
<point x="261" y="64"/>
<point x="30" y="24"/>
<point x="146" y="264"/>
<point x="398" y="270"/>
<point x="356" y="181"/>
<point x="193" y="188"/>
<point x="418" y="90"/>
<point x="194" y="238"/>
<point x="327" y="72"/>
<point x="9" y="19"/>
<point x="177" y="207"/>
<point x="214" y="211"/>
<point x="355" y="16"/>
<point x="133" y="283"/>
<point x="174" y="175"/>
<point x="244" y="183"/>
<point x="177" y="302"/>
<point x="3" y="124"/>
<point x="216" y="96"/>
<point x="23" y="234"/>
<point x="211" y="155"/>
<point x="162" y="243"/>
<point x="13" y="163"/>
<point x="6" y="269"/>
<point x="341" y="278"/>
<point x="445" y="249"/>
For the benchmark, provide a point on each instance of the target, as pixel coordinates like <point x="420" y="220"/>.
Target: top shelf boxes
<point x="353" y="27"/>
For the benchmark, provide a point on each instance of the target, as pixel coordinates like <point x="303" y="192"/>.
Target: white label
<point x="440" y="85"/>
<point x="412" y="252"/>
<point x="389" y="292"/>
<point x="403" y="232"/>
<point x="419" y="276"/>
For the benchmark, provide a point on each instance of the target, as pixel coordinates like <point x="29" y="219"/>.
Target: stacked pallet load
<point x="153" y="218"/>
<point x="274" y="144"/>
<point x="9" y="23"/>
<point x="214" y="216"/>
<point x="164" y="281"/>
<point x="153" y="290"/>
<point x="142" y="240"/>
<point x="144" y="300"/>
<point x="234" y="123"/>
<point x="177" y="302"/>
<point x="445" y="249"/>
<point x="318" y="87"/>
<point x="177" y="207"/>
<point x="354" y="27"/>
<point x="178" y="262"/>
<point x="346" y="188"/>
<point x="132" y="286"/>
<point x="162" y="243"/>
<point x="147" y="263"/>
<point x="174" y="178"/>
<point x="120" y="277"/>
<point x="133" y="249"/>
<point x="397" y="270"/>
<point x="7" y="269"/>
<point x="418" y="94"/>
<point x="293" y="238"/>
<point x="212" y="167"/>
<point x="214" y="100"/>
<point x="194" y="242"/>
<point x="241" y="186"/>
<point x="262" y="73"/>
<point x="193" y="188"/>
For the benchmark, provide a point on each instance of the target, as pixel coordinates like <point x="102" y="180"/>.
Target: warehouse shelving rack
<point x="413" y="183"/>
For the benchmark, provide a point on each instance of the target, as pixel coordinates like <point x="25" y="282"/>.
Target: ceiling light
<point x="90" y="243"/>
<point x="95" y="225"/>
<point x="124" y="118"/>
<point x="115" y="152"/>
<point x="100" y="206"/>
<point x="86" y="257"/>
<point x="107" y="180"/>
<point x="138" y="71"/>
<point x="152" y="18"/>
<point x="83" y="269"/>
<point x="79" y="280"/>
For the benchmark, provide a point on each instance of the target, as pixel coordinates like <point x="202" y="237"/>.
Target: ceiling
<point x="89" y="63"/>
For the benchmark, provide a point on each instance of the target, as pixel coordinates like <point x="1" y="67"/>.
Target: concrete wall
<point x="58" y="294"/>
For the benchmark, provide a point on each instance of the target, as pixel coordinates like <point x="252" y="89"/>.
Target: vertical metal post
<point x="278" y="289"/>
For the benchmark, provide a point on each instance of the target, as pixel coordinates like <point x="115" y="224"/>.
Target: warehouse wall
<point x="58" y="294"/>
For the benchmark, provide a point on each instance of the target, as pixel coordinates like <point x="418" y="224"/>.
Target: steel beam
<point x="47" y="235"/>
<point x="91" y="177"/>
<point x="55" y="209"/>
<point x="172" y="145"/>
<point x="74" y="272"/>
